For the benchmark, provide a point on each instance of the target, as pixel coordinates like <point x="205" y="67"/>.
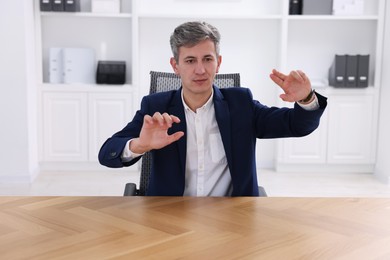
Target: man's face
<point x="197" y="67"/>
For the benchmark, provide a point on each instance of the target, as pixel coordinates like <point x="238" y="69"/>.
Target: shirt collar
<point x="207" y="105"/>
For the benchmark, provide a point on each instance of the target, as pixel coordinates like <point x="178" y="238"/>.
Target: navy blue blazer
<point x="241" y="121"/>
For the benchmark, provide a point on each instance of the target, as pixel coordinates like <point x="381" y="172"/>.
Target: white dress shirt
<point x="207" y="172"/>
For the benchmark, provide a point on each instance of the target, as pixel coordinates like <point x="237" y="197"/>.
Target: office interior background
<point x="55" y="130"/>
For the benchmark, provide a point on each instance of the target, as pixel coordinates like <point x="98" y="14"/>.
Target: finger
<point x="279" y="74"/>
<point x="285" y="97"/>
<point x="176" y="136"/>
<point x="276" y="79"/>
<point x="175" y="119"/>
<point x="148" y="120"/>
<point x="303" y="75"/>
<point x="167" y="119"/>
<point x="296" y="75"/>
<point x="159" y="118"/>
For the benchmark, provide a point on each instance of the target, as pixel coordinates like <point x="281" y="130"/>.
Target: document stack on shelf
<point x="348" y="7"/>
<point x="106" y="6"/>
<point x="349" y="71"/>
<point x="72" y="65"/>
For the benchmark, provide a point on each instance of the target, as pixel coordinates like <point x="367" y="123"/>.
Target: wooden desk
<point x="194" y="228"/>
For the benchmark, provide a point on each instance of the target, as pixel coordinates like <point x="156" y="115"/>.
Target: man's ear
<point x="219" y="61"/>
<point x="174" y="65"/>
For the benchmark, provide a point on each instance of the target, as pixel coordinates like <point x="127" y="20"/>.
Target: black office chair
<point x="165" y="81"/>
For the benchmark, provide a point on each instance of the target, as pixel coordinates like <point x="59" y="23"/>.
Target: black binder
<point x="337" y="71"/>
<point x="71" y="5"/>
<point x="57" y="5"/>
<point x="45" y="5"/>
<point x="351" y="71"/>
<point x="295" y="7"/>
<point x="363" y="71"/>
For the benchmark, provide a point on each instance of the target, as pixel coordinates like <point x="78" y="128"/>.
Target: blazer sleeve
<point x="111" y="151"/>
<point x="274" y="122"/>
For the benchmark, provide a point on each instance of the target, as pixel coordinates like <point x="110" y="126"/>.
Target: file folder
<point x="45" y="5"/>
<point x="57" y="5"/>
<point x="55" y="66"/>
<point x="351" y="71"/>
<point x="79" y="65"/>
<point x="72" y="5"/>
<point x="337" y="71"/>
<point x="363" y="70"/>
<point x="295" y="7"/>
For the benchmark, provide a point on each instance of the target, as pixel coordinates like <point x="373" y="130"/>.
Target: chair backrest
<point x="165" y="81"/>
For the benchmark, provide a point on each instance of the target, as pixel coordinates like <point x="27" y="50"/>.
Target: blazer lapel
<point x="222" y="115"/>
<point x="176" y="108"/>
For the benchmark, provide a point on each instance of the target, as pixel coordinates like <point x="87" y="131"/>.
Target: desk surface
<point x="194" y="228"/>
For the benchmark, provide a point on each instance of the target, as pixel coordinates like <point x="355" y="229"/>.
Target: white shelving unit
<point x="257" y="36"/>
<point x="76" y="119"/>
<point x="346" y="139"/>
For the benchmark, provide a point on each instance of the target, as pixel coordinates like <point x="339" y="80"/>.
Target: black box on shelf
<point x="295" y="7"/>
<point x="351" y="71"/>
<point x="363" y="70"/>
<point x="45" y="5"/>
<point x="57" y="5"/>
<point x="337" y="71"/>
<point x="72" y="5"/>
<point x="111" y="72"/>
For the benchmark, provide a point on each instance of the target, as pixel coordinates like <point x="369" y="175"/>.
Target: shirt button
<point x="113" y="154"/>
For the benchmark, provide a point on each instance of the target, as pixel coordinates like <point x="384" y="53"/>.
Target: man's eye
<point x="189" y="61"/>
<point x="209" y="59"/>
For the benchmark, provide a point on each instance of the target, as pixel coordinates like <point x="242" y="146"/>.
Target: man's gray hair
<point x="191" y="33"/>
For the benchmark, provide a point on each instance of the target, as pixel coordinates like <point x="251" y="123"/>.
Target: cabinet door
<point x="65" y="127"/>
<point x="351" y="129"/>
<point x="307" y="149"/>
<point x="109" y="113"/>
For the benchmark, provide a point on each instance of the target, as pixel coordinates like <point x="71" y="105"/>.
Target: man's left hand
<point x="296" y="85"/>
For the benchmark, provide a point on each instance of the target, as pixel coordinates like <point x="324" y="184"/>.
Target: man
<point x="202" y="138"/>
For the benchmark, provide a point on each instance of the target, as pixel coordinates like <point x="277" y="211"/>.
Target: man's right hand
<point x="154" y="133"/>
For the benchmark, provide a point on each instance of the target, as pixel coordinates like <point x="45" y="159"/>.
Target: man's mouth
<point x="200" y="80"/>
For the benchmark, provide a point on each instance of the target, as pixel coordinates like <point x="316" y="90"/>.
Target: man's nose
<point x="199" y="69"/>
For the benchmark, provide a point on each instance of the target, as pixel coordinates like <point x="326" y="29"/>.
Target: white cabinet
<point x="109" y="112"/>
<point x="65" y="127"/>
<point x="352" y="130"/>
<point x="308" y="149"/>
<point x="346" y="138"/>
<point x="75" y="125"/>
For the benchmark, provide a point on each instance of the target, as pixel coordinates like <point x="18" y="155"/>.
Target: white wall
<point x="382" y="169"/>
<point x="18" y="107"/>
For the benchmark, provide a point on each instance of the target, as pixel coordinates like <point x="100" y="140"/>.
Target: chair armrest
<point x="262" y="192"/>
<point x="130" y="189"/>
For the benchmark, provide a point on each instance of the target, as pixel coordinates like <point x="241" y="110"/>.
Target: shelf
<point x="86" y="14"/>
<point x="333" y="17"/>
<point x="329" y="90"/>
<point x="210" y="16"/>
<point x="86" y="88"/>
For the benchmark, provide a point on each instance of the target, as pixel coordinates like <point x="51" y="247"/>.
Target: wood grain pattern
<point x="194" y="228"/>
